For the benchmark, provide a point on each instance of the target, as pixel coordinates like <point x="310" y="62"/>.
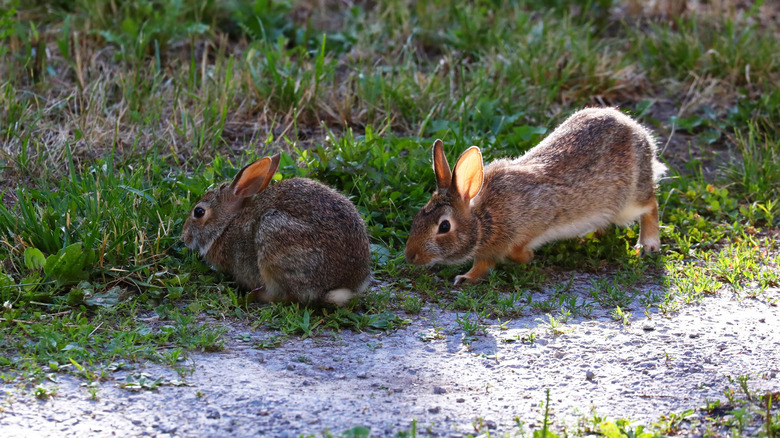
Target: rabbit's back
<point x="309" y="240"/>
<point x="597" y="168"/>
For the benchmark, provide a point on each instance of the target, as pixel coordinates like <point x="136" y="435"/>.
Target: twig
<point x="96" y="329"/>
<point x="16" y="320"/>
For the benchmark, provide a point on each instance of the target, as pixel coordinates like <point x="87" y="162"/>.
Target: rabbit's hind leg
<point x="521" y="254"/>
<point x="649" y="240"/>
<point x="259" y="295"/>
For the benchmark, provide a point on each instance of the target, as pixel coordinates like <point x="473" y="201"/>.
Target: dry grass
<point x="409" y="65"/>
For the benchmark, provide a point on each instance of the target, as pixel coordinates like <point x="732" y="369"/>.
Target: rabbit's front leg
<point x="477" y="271"/>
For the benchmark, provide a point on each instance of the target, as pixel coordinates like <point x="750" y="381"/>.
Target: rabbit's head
<point x="445" y="230"/>
<point x="218" y="207"/>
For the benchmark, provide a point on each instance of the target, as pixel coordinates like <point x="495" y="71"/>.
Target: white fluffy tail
<point x="338" y="297"/>
<point x="659" y="169"/>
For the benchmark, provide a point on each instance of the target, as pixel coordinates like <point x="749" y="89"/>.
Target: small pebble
<point x="168" y="428"/>
<point x="212" y="414"/>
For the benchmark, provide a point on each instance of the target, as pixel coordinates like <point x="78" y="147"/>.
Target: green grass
<point x="116" y="118"/>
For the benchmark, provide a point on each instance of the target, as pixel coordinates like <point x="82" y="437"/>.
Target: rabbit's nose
<point x="411" y="256"/>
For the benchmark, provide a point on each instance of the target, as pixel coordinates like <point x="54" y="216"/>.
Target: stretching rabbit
<point x="299" y="239"/>
<point x="598" y="167"/>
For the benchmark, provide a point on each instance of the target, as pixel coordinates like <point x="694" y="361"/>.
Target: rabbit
<point x="295" y="240"/>
<point x="597" y="168"/>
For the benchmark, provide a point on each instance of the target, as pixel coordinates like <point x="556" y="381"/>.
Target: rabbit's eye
<point x="198" y="212"/>
<point x="444" y="227"/>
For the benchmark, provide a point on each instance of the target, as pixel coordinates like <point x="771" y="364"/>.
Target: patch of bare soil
<point x="656" y="365"/>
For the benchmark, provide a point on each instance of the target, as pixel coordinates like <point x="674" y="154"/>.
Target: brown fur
<point x="298" y="239"/>
<point x="598" y="167"/>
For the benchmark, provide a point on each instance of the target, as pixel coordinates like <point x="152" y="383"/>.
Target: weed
<point x="435" y="333"/>
<point x="471" y="327"/>
<point x="615" y="293"/>
<point x="742" y="381"/>
<point x="270" y="342"/>
<point x="668" y="358"/>
<point x="622" y="317"/>
<point x="621" y="428"/>
<point x="669" y="424"/>
<point x="527" y="338"/>
<point x="93" y="389"/>
<point x="545" y="432"/>
<point x="553" y="324"/>
<point x="145" y="381"/>
<point x="43" y="393"/>
<point x="412" y="304"/>
<point x="738" y="420"/>
<point x="173" y="356"/>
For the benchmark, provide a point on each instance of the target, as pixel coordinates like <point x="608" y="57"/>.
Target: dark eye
<point x="444" y="227"/>
<point x="198" y="212"/>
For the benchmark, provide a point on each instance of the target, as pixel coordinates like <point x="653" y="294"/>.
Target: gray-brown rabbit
<point x="597" y="168"/>
<point x="299" y="239"/>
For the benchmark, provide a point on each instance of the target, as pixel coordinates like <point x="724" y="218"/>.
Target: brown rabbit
<point x="598" y="167"/>
<point x="299" y="239"/>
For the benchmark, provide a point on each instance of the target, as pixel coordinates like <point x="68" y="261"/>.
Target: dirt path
<point x="337" y="381"/>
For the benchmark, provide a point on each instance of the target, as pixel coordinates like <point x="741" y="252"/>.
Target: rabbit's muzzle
<point x="415" y="257"/>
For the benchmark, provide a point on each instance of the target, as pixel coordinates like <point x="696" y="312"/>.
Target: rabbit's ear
<point x="255" y="177"/>
<point x="440" y="166"/>
<point x="467" y="175"/>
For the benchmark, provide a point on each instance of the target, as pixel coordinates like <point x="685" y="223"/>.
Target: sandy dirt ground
<point x="424" y="372"/>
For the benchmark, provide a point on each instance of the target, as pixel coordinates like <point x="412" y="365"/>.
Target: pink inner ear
<point x="253" y="178"/>
<point x="468" y="174"/>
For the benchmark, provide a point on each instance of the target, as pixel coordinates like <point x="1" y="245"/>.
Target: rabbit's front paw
<point x="649" y="245"/>
<point x="459" y="279"/>
<point x="477" y="271"/>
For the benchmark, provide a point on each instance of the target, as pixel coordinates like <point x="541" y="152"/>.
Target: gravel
<point x="383" y="381"/>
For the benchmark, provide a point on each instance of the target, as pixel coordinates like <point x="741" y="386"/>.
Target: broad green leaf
<point x="34" y="258"/>
<point x="68" y="266"/>
<point x="109" y="298"/>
